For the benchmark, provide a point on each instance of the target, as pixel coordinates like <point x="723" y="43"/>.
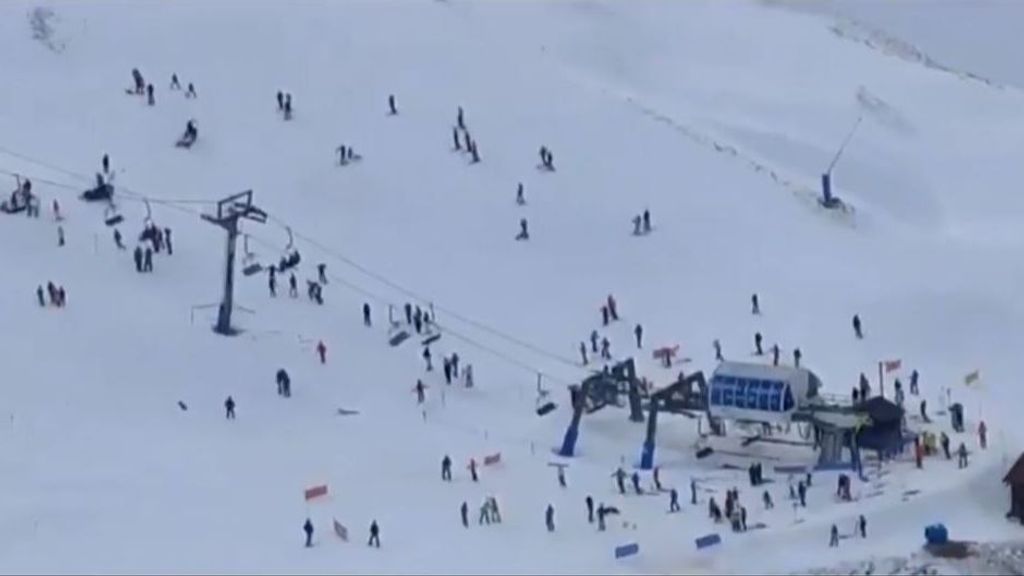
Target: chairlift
<point x="249" y="264"/>
<point x="111" y="217"/>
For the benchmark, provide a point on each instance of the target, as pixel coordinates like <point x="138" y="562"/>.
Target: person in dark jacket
<point x="229" y="408"/>
<point x="366" y="315"/>
<point x="374" y="535"/>
<point x="137" y="255"/>
<point x="590" y="509"/>
<point x="308" y="529"/>
<point x="149" y="95"/>
<point x="446" y="468"/>
<point x="167" y="241"/>
<point x="391" y="105"/>
<point x="549" y="518"/>
<point x="39" y="295"/>
<point x="757" y="344"/>
<point x="639" y="333"/>
<point x="464" y="512"/>
<point x="673" y="500"/>
<point x="856" y="327"/>
<point x="147" y="260"/>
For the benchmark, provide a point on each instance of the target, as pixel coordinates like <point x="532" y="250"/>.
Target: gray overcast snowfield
<point x="717" y="116"/>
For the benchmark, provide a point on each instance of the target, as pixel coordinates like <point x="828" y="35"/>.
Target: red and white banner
<point x="492" y="459"/>
<point x="340" y="530"/>
<point x="892" y="365"/>
<point x="316" y="492"/>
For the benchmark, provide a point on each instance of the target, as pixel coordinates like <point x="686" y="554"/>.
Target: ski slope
<point x="717" y="116"/>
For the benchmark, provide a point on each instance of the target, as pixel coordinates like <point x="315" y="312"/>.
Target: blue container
<point x="936" y="534"/>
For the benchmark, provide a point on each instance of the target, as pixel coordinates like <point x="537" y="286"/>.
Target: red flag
<point x="892" y="365"/>
<point x="316" y="492"/>
<point x="492" y="459"/>
<point x="340" y="530"/>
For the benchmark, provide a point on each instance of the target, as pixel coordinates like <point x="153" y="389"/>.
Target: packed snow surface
<point x="718" y="117"/>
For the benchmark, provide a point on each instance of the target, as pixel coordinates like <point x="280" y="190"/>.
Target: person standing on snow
<point x="673" y="501"/>
<point x="856" y="327"/>
<point x="446" y="469"/>
<point x="833" y="541"/>
<point x="420" y="396"/>
<point x="639" y="333"/>
<point x="118" y="239"/>
<point x="549" y="518"/>
<point x="583" y="353"/>
<point x="272" y="283"/>
<point x="606" y="349"/>
<point x="293" y="286"/>
<point x="280" y="101"/>
<point x="757" y="344"/>
<point x="391" y="105"/>
<point x="620" y="479"/>
<point x="464" y="513"/>
<point x="229" y="408"/>
<point x="167" y="241"/>
<point x="137" y="255"/>
<point x="520" y="199"/>
<point x="149" y="95"/>
<point x="366" y="315"/>
<point x="524" y="232"/>
<point x="308" y="529"/>
<point x="862" y="526"/>
<point x="718" y="350"/>
<point x="590" y="509"/>
<point x="147" y="260"/>
<point x="321" y="350"/>
<point x="775" y="354"/>
<point x="796" y="357"/>
<point x="472" y="469"/>
<point x="647" y="221"/>
<point x="426" y="357"/>
<point x="374" y="535"/>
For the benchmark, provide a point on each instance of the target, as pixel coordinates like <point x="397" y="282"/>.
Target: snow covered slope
<point x="717" y="116"/>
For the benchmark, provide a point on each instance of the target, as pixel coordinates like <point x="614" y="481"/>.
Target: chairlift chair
<point x="111" y="217"/>
<point x="249" y="264"/>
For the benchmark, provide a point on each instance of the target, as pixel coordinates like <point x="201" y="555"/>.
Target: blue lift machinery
<point x="599" y="390"/>
<point x="687" y="396"/>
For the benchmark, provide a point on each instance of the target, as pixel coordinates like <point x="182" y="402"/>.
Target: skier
<point x="366" y="315"/>
<point x="149" y="95"/>
<point x="167" y="240"/>
<point x="961" y="454"/>
<point x="460" y="120"/>
<point x="583" y="352"/>
<point x="287" y="106"/>
<point x="718" y="350"/>
<point x="391" y="105"/>
<point x="593" y="341"/>
<point x="39" y="295"/>
<point x="272" y="282"/>
<point x="474" y="152"/>
<point x="636" y="482"/>
<point x="647" y="221"/>
<point x="420" y="396"/>
<point x="983" y="435"/>
<point x="140" y="84"/>
<point x="524" y="233"/>
<point x="485" y="513"/>
<point x="464" y="513"/>
<point x="447" y="371"/>
<point x="613" y="309"/>
<point x="282" y="381"/>
<point x="757" y="344"/>
<point x="321" y="350"/>
<point x="673" y="501"/>
<point x="775" y="354"/>
<point x="191" y="92"/>
<point x="862" y="526"/>
<point x="408" y="313"/>
<point x="520" y="200"/>
<point x="280" y="101"/>
<point x="639" y="333"/>
<point x="229" y="408"/>
<point x="426" y="357"/>
<point x="455" y="364"/>
<point x="605" y="317"/>
<point x="60" y="235"/>
<point x="801" y="490"/>
<point x="767" y="498"/>
<point x="656" y="476"/>
<point x="175" y="85"/>
<point x="321" y="273"/>
<point x="455" y="138"/>
<point x="308" y="529"/>
<point x="446" y="468"/>
<point x="374" y="529"/>
<point x="796" y="357"/>
<point x="495" y="514"/>
<point x="561" y="476"/>
<point x="856" y="326"/>
<point x="293" y="286"/>
<point x="590" y="509"/>
<point x="833" y="541"/>
<point x="137" y="255"/>
<point x="147" y="260"/>
<point x="944" y="442"/>
<point x="693" y="492"/>
<point x="472" y="470"/>
<point x="549" y="518"/>
<point x="605" y="349"/>
<point x="620" y="479"/>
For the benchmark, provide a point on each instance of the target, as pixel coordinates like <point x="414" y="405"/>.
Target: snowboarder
<point x="796" y="357"/>
<point x="620" y="479"/>
<point x="39" y="295"/>
<point x="647" y="221"/>
<point x="862" y="526"/>
<point x="673" y="501"/>
<point x="293" y="286"/>
<point x="583" y="353"/>
<point x="137" y="255"/>
<point x="856" y="327"/>
<point x="718" y="350"/>
<point x="446" y="469"/>
<point x="167" y="241"/>
<point x="149" y="95"/>
<point x="106" y="164"/>
<point x="757" y="344"/>
<point x="321" y="350"/>
<point x="524" y="233"/>
<point x="60" y="235"/>
<point x="635" y="478"/>
<point x="280" y="101"/>
<point x="191" y="92"/>
<point x="420" y="396"/>
<point x="229" y="408"/>
<point x="833" y="541"/>
<point x="549" y="518"/>
<point x="755" y="306"/>
<point x="590" y="509"/>
<point x="374" y="528"/>
<point x="175" y="85"/>
<point x="391" y="105"/>
<point x="147" y="260"/>
<point x="961" y="454"/>
<point x="639" y="333"/>
<point x="775" y="354"/>
<point x="426" y="357"/>
<point x="606" y="349"/>
<point x="308" y="529"/>
<point x="472" y="470"/>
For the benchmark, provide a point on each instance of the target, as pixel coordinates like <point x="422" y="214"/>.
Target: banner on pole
<point x="892" y="365"/>
<point x="316" y="492"/>
<point x="972" y="378"/>
<point x="340" y="530"/>
<point x="492" y="459"/>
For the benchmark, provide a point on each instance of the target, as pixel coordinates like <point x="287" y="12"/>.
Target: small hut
<point x="1015" y="478"/>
